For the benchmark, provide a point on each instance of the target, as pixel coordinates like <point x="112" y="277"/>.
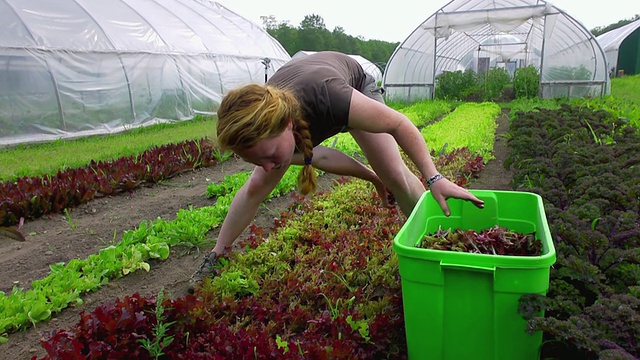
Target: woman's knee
<point x="399" y="177"/>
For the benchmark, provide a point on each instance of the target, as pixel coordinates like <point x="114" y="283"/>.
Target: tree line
<point x="599" y="30"/>
<point x="313" y="35"/>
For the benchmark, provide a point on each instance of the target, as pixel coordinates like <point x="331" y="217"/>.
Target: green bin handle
<point x="445" y="265"/>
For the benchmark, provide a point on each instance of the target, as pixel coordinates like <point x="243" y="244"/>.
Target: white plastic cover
<point x="71" y="68"/>
<point x="611" y="41"/>
<point x="369" y="67"/>
<point x="481" y="34"/>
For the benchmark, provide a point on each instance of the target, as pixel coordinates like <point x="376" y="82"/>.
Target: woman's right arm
<point x="245" y="204"/>
<point x="369" y="115"/>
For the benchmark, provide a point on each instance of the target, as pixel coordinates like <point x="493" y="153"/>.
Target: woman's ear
<point x="290" y="126"/>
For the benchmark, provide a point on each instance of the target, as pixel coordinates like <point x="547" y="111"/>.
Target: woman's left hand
<point x="444" y="189"/>
<point x="388" y="200"/>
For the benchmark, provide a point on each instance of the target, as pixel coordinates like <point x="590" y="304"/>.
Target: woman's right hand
<point x="444" y="189"/>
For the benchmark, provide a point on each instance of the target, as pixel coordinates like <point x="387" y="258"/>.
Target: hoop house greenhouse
<point x="622" y="46"/>
<point x="71" y="68"/>
<point x="482" y="34"/>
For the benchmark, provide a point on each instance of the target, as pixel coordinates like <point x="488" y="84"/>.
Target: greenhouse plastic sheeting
<point x="613" y="40"/>
<point x="482" y="34"/>
<point x="71" y="68"/>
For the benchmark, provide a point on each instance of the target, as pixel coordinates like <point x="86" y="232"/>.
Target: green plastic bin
<point x="462" y="305"/>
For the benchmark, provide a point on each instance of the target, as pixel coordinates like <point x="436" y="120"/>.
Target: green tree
<point x="287" y="36"/>
<point x="313" y="34"/>
<point x="313" y="21"/>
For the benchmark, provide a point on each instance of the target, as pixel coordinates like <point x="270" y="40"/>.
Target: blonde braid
<point x="307" y="180"/>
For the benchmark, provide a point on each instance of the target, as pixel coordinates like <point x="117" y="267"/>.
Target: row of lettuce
<point x="153" y="239"/>
<point x="31" y="197"/>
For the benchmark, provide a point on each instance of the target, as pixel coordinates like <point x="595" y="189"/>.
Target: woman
<point x="308" y="100"/>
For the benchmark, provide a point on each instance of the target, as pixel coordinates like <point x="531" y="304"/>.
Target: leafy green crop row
<point x="49" y="158"/>
<point x="151" y="240"/>
<point x="66" y="283"/>
<point x="423" y="113"/>
<point x="471" y="125"/>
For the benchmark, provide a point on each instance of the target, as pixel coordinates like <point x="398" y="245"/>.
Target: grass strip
<point x="49" y="158"/>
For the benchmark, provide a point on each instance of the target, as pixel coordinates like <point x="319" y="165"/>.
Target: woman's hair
<point x="255" y="112"/>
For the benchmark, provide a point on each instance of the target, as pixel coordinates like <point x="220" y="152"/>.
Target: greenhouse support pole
<point x="185" y="94"/>
<point x="435" y="51"/>
<point x="542" y="52"/>
<point x="119" y="55"/>
<point x="56" y="88"/>
<point x="215" y="63"/>
<point x="130" y="90"/>
<point x="267" y="64"/>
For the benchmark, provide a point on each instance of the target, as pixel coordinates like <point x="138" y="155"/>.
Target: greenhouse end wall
<point x="629" y="55"/>
<point x="484" y="34"/>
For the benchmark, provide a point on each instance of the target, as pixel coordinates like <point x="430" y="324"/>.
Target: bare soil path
<point x="494" y="176"/>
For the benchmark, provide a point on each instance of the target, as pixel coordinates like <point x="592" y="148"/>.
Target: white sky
<point x="394" y="20"/>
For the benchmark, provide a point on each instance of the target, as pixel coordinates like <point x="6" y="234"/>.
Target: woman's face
<point x="271" y="153"/>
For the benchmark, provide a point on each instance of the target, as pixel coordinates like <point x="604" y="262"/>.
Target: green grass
<point x="398" y="104"/>
<point x="49" y="158"/>
<point x="626" y="88"/>
<point x="624" y="100"/>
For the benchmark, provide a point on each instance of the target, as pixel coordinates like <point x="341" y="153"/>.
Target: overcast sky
<point x="394" y="20"/>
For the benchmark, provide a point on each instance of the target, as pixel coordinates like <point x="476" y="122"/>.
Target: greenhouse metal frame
<point x="71" y="68"/>
<point x="483" y="34"/>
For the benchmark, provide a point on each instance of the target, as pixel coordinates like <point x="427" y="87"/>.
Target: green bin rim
<point x="546" y="259"/>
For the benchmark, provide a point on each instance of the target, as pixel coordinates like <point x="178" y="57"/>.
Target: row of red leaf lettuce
<point x="31" y="197"/>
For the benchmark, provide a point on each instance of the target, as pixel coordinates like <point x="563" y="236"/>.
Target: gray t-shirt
<point x="322" y="82"/>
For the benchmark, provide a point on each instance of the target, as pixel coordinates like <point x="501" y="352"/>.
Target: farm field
<point x="86" y="229"/>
